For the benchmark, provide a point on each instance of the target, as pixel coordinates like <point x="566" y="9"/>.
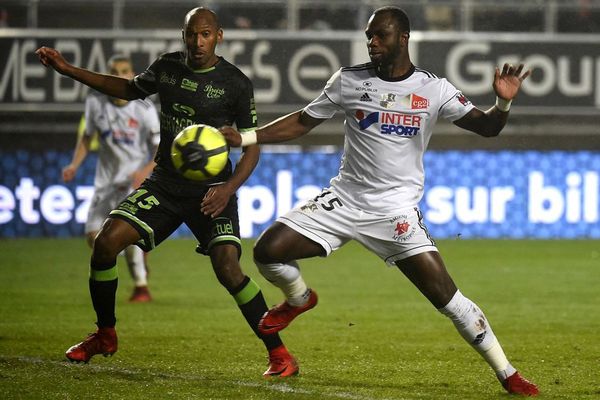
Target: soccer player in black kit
<point x="195" y="87"/>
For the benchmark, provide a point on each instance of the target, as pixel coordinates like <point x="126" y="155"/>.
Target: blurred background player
<point x="128" y="135"/>
<point x="374" y="199"/>
<point x="195" y="86"/>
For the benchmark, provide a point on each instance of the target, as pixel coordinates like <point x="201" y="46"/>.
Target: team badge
<point x="402" y="230"/>
<point x="388" y="100"/>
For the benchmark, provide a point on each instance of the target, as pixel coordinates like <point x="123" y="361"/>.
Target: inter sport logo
<point x="390" y="123"/>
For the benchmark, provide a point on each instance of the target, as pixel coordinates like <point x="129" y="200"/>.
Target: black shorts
<point x="156" y="214"/>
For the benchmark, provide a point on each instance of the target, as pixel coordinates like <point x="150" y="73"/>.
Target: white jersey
<point x="387" y="125"/>
<point x="127" y="136"/>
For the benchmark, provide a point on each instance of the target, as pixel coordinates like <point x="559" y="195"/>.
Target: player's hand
<point x="68" y="173"/>
<point x="215" y="200"/>
<point x="232" y="137"/>
<point x="508" y="81"/>
<point x="52" y="58"/>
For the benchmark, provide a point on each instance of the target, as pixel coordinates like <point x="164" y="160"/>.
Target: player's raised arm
<point x="108" y="84"/>
<point x="506" y="86"/>
<point x="285" y="128"/>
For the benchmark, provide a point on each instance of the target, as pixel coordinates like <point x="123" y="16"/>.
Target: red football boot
<point x="140" y="294"/>
<point x="103" y="341"/>
<point x="516" y="384"/>
<point x="281" y="363"/>
<point x="281" y="315"/>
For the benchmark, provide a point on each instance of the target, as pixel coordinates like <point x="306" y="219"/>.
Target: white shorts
<point x="104" y="201"/>
<point x="330" y="223"/>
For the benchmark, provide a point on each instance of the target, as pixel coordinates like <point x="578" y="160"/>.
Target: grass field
<point x="371" y="337"/>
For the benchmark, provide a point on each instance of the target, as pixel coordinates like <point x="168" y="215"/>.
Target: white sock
<point x="135" y="262"/>
<point x="473" y="326"/>
<point x="287" y="278"/>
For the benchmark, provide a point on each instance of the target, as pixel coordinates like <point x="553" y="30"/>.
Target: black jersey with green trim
<point x="216" y="96"/>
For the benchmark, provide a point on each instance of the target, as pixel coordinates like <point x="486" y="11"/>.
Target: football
<point x="199" y="152"/>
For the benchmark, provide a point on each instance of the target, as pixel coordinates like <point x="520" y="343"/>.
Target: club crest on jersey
<point x="390" y="123"/>
<point x="388" y="100"/>
<point x="402" y="229"/>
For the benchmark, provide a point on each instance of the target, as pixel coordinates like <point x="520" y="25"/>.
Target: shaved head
<point x="205" y="12"/>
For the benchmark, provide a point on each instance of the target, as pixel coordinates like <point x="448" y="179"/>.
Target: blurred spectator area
<point x="581" y="16"/>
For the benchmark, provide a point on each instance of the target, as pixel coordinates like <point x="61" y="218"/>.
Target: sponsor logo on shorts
<point x="309" y="207"/>
<point x="402" y="229"/>
<point x="391" y="123"/>
<point x="129" y="207"/>
<point x="223" y="227"/>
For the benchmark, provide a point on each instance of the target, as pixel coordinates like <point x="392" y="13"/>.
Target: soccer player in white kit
<point x="390" y="109"/>
<point x="129" y="132"/>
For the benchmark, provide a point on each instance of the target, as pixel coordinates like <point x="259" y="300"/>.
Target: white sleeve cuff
<point x="248" y="138"/>
<point x="502" y="104"/>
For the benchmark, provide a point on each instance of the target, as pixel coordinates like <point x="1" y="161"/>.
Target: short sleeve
<point x="147" y="82"/>
<point x="246" y="119"/>
<point x="454" y="104"/>
<point x="329" y="101"/>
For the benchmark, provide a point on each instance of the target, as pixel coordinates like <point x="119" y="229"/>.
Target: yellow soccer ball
<point x="199" y="152"/>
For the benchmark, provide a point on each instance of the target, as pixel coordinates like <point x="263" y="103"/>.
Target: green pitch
<point x="372" y="336"/>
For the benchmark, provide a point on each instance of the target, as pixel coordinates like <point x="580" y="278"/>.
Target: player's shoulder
<point x="174" y="57"/>
<point x="229" y="68"/>
<point x="365" y="69"/>
<point x="426" y="75"/>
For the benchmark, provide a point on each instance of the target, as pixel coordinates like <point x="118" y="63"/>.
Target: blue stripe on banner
<point x="474" y="194"/>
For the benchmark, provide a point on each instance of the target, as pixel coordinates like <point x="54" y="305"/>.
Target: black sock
<point x="251" y="302"/>
<point x="103" y="288"/>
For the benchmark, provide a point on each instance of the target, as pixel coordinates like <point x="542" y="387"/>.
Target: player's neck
<point x="395" y="71"/>
<point x="118" y="102"/>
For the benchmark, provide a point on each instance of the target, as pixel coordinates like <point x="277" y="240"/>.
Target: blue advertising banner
<point x="476" y="194"/>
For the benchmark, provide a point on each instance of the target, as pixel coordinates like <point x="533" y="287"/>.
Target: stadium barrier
<point x="288" y="69"/>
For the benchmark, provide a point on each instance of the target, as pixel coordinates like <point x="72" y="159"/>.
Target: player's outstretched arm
<point x="285" y="128"/>
<point x="506" y="86"/>
<point x="107" y="84"/>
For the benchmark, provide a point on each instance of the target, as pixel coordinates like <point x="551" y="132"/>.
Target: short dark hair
<point x="118" y="58"/>
<point x="398" y="14"/>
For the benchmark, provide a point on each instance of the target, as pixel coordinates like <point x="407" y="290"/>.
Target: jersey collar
<point x="401" y="77"/>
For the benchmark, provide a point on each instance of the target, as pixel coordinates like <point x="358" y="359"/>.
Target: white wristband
<point x="503" y="105"/>
<point x="248" y="138"/>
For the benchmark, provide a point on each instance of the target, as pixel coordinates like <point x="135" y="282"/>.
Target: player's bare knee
<point x="263" y="252"/>
<point x="106" y="247"/>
